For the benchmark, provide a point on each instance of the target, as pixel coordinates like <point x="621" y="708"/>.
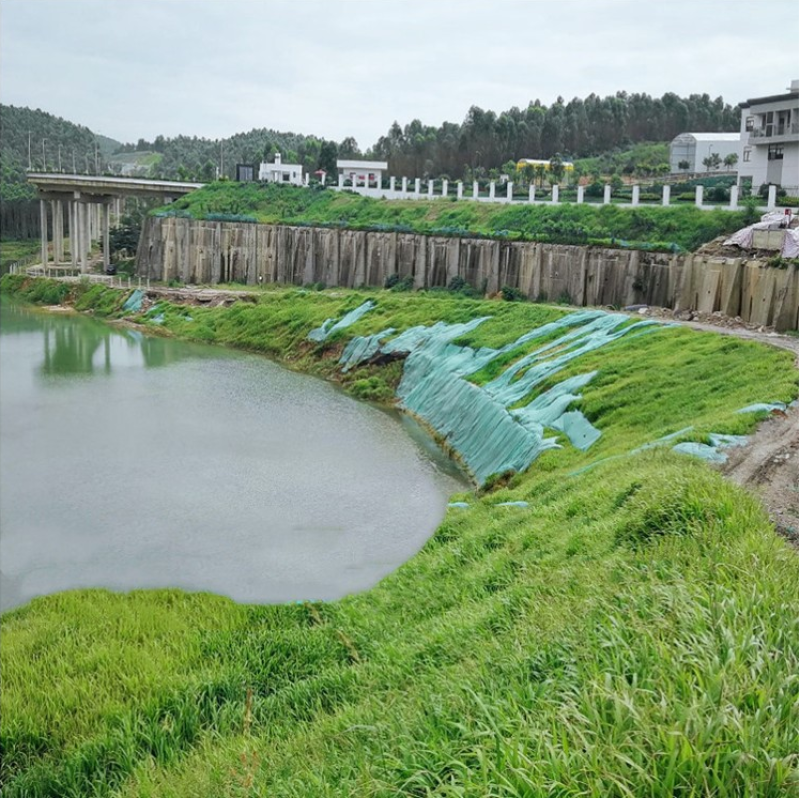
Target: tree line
<point x="571" y="130"/>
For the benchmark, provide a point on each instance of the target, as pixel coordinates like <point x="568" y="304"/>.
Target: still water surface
<point x="129" y="461"/>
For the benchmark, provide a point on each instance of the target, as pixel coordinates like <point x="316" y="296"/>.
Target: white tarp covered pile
<point x="774" y="220"/>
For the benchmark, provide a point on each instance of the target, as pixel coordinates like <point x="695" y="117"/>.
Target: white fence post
<point x="771" y="197"/>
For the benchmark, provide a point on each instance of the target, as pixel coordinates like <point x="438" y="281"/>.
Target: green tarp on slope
<point x="476" y="421"/>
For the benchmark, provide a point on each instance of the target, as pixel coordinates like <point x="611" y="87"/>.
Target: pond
<point x="131" y="461"/>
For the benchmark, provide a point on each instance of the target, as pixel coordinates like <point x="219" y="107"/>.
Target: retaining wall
<point x="212" y="252"/>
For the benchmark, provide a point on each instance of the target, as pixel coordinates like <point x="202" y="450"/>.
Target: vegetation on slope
<point x="632" y="632"/>
<point x="686" y="227"/>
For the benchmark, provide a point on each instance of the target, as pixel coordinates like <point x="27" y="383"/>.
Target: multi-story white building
<point x="694" y="148"/>
<point x="769" y="141"/>
<point x="278" y="172"/>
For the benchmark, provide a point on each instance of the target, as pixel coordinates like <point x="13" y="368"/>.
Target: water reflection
<point x="74" y="345"/>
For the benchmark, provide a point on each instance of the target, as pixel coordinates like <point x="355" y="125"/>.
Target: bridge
<point x="87" y="202"/>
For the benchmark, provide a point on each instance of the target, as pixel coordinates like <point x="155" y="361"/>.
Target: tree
<point x="684" y="166"/>
<point x="713" y="161"/>
<point x="328" y="154"/>
<point x="349" y="148"/>
<point x="556" y="168"/>
<point x="731" y="160"/>
<point x="528" y="174"/>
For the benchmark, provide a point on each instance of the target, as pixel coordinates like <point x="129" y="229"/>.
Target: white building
<point x="694" y="148"/>
<point x="362" y="173"/>
<point x="769" y="140"/>
<point x="278" y="172"/>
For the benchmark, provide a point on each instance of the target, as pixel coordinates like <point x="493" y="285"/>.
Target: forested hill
<point x="484" y="140"/>
<point x="575" y="129"/>
<point x="51" y="138"/>
<point x="190" y="157"/>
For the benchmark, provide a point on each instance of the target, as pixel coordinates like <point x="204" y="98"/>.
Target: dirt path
<point x="768" y="466"/>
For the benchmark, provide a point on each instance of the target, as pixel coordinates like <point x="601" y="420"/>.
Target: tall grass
<point x="632" y="632"/>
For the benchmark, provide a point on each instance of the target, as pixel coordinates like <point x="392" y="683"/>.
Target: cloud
<point x="139" y="68"/>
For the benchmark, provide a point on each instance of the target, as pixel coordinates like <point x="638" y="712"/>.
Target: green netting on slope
<point x="476" y="421"/>
<point x="760" y="407"/>
<point x="363" y="348"/>
<point x="517" y="381"/>
<point x="134" y="302"/>
<point x="329" y="327"/>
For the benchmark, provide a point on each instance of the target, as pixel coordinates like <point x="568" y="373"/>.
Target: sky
<point x="133" y="69"/>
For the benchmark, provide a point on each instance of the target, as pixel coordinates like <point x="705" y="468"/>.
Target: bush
<point x="511" y="294"/>
<point x="394" y="282"/>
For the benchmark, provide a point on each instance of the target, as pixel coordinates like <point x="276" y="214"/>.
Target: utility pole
<point x="221" y="168"/>
<point x="96" y="167"/>
<point x="30" y="163"/>
<point x="44" y="156"/>
<point x="74" y="167"/>
<point x="59" y="158"/>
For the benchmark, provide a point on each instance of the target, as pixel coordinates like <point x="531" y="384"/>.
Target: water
<point x="129" y="461"/>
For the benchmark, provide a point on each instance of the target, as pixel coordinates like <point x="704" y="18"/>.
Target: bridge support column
<point x="57" y="212"/>
<point x="106" y="225"/>
<point x="73" y="234"/>
<point x="43" y="223"/>
<point x="83" y="232"/>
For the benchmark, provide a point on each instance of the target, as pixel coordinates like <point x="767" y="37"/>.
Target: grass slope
<point x="633" y="632"/>
<point x="685" y="227"/>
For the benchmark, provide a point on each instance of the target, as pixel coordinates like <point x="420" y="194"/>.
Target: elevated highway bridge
<point x="87" y="202"/>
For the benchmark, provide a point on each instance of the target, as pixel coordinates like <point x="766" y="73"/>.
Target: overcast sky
<point x="132" y="69"/>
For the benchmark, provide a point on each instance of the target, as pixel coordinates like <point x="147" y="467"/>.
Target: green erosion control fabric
<point x="134" y="302"/>
<point x="329" y="327"/>
<point x="477" y="420"/>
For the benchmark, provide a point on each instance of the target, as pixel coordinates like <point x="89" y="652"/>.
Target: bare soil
<point x="768" y="466"/>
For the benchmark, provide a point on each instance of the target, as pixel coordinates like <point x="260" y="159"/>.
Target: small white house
<point x="291" y="173"/>
<point x="362" y="173"/>
<point x="694" y="148"/>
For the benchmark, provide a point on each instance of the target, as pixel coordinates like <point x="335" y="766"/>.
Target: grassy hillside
<point x="666" y="228"/>
<point x="631" y="632"/>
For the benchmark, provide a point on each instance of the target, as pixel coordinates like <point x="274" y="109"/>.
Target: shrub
<point x="511" y="294"/>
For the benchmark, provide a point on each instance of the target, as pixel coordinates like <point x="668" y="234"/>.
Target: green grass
<point x="685" y="227"/>
<point x="633" y="632"/>
<point x="15" y="250"/>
